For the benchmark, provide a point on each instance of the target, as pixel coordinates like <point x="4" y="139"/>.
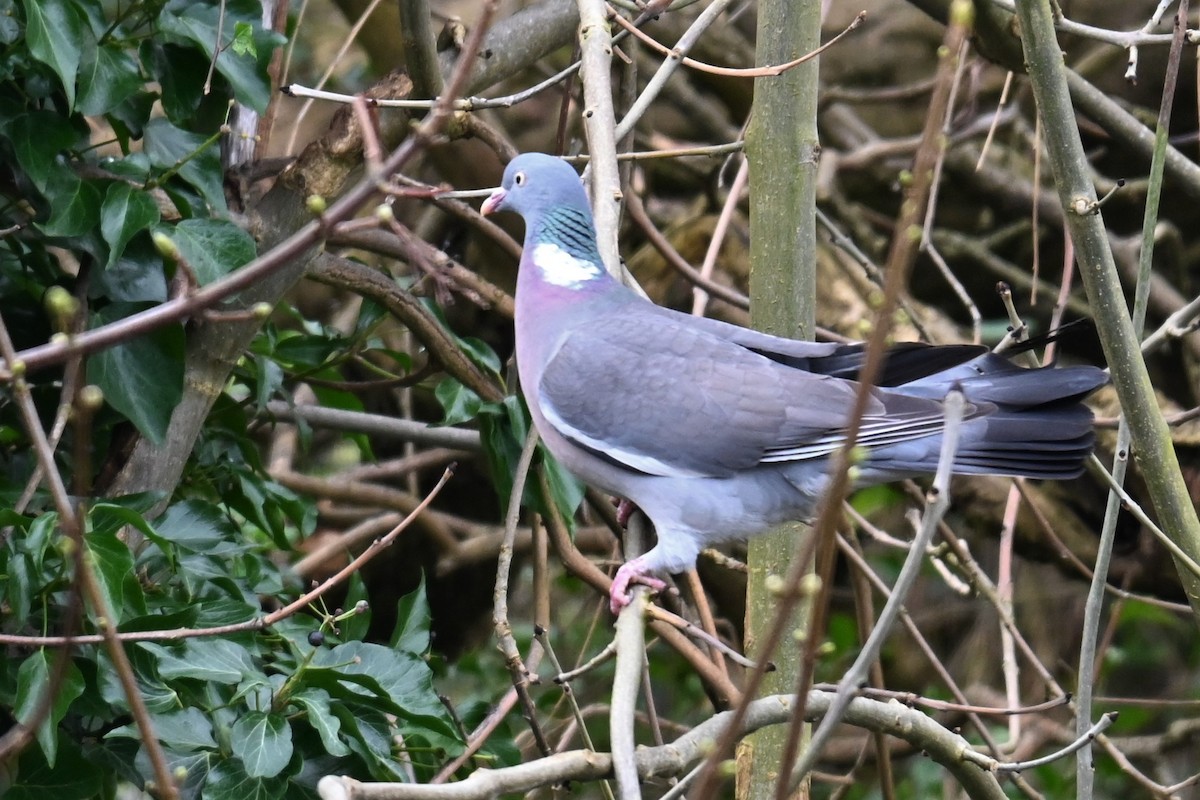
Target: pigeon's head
<point x="535" y="183"/>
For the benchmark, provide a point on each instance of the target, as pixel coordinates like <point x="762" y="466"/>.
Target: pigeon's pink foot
<point x="630" y="573"/>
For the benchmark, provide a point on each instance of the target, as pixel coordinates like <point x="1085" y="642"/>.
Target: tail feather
<point x="1037" y="428"/>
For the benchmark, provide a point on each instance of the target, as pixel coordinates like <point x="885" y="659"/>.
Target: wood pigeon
<point x="718" y="432"/>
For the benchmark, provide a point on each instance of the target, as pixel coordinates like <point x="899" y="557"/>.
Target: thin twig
<point x="770" y="71"/>
<point x="938" y="502"/>
<point x="508" y="645"/>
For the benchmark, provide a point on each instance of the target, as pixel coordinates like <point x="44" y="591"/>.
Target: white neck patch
<point x="561" y="268"/>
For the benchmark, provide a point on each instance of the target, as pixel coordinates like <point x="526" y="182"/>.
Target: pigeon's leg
<point x="636" y="571"/>
<point x="625" y="510"/>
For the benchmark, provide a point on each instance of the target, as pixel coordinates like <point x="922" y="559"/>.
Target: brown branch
<point x="346" y="274"/>
<point x="770" y="71"/>
<point x="478" y="289"/>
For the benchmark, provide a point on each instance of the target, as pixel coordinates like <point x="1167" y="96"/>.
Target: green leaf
<point x="459" y="404"/>
<point x="263" y="742"/>
<point x="305" y="351"/>
<point x="33" y="679"/>
<point x="54" y="30"/>
<point x="113" y="565"/>
<point x="481" y="353"/>
<point x="227" y="780"/>
<point x="270" y="379"/>
<point x="196" y="525"/>
<point x="401" y="679"/>
<point x="180" y="72"/>
<point x="503" y="428"/>
<point x="74" y="207"/>
<point x="157" y="695"/>
<point x="141" y="378"/>
<point x="370" y="736"/>
<point x="208" y="659"/>
<point x="40" y="538"/>
<point x="71" y="777"/>
<point x="110" y="518"/>
<point x="186" y="729"/>
<point x="412" y="622"/>
<point x="126" y="212"/>
<point x="212" y="247"/>
<point x="20" y="589"/>
<point x="128" y="122"/>
<point x="38" y="137"/>
<point x="196" y="158"/>
<point x="199" y="23"/>
<point x="319" y="714"/>
<point x="108" y="77"/>
<point x="566" y="491"/>
<point x="138" y="276"/>
<point x="243" y="40"/>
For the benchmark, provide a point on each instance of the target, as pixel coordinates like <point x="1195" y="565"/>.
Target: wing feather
<point x="684" y="401"/>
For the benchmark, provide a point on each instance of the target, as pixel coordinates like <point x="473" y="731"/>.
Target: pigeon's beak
<point x="494" y="202"/>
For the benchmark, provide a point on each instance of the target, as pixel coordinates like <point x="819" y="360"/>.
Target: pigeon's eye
<point x="519" y="179"/>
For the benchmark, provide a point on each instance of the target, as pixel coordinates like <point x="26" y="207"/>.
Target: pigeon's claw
<point x="630" y="573"/>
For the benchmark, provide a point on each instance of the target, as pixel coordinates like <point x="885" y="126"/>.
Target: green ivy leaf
<point x="503" y="428"/>
<point x="459" y="404"/>
<point x="37" y="138"/>
<point x="74" y="207"/>
<point x="481" y="353"/>
<point x="319" y="714"/>
<point x="243" y="40"/>
<point x="400" y="679"/>
<point x="370" y="737"/>
<point x="303" y="351"/>
<point x="110" y="518"/>
<point x="412" y="622"/>
<point x="54" y="30"/>
<point x="180" y="72"/>
<point x="566" y="491"/>
<point x="212" y="247"/>
<point x="186" y="729"/>
<point x="71" y="777"/>
<point x="228" y="781"/>
<point x="138" y="276"/>
<point x="196" y="157"/>
<point x="209" y="659"/>
<point x="33" y="678"/>
<point x="198" y="526"/>
<point x="40" y="538"/>
<point x="126" y="212"/>
<point x="199" y="24"/>
<point x="19" y="587"/>
<point x="263" y="742"/>
<point x="141" y="378"/>
<point x="113" y="564"/>
<point x="158" y="697"/>
<point x="108" y="77"/>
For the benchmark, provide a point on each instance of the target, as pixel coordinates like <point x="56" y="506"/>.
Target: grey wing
<point x="662" y="397"/>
